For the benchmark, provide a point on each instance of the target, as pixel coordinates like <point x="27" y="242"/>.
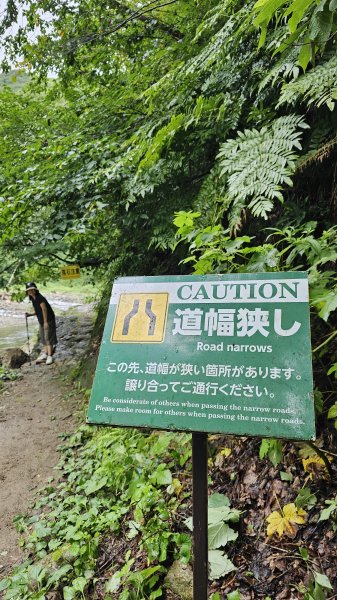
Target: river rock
<point x="179" y="580"/>
<point x="13" y="358"/>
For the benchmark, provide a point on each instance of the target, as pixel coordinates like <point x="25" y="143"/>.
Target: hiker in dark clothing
<point x="46" y="318"/>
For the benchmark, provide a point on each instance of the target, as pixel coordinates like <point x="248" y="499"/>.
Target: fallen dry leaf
<point x="315" y="466"/>
<point x="285" y="521"/>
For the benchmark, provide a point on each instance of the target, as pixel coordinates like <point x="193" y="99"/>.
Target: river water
<point x="13" y="328"/>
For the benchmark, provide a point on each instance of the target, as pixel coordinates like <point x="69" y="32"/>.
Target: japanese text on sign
<point x="70" y="272"/>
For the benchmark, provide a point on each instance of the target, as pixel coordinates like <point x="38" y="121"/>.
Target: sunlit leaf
<point x="285" y="522"/>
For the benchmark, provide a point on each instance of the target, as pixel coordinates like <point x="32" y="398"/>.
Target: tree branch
<point x="136" y="15"/>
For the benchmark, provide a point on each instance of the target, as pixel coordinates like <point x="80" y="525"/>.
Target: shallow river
<point x="13" y="335"/>
<point x="13" y="330"/>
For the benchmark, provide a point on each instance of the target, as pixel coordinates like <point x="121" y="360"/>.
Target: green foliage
<point x="214" y="250"/>
<point x="317" y="86"/>
<point x="219" y="564"/>
<point x="332" y="412"/>
<point x="110" y="482"/>
<point x="317" y="589"/>
<point x="333" y="369"/>
<point x="219" y="534"/>
<point x="16" y="80"/>
<point x="259" y="163"/>
<point x="310" y="24"/>
<point x="164" y="119"/>
<point x="318" y="401"/>
<point x="234" y="595"/>
<point x="7" y="374"/>
<point x="96" y="162"/>
<point x="143" y="582"/>
<point x="305" y="499"/>
<point x="273" y="449"/>
<point x="330" y="513"/>
<point x="293" y="247"/>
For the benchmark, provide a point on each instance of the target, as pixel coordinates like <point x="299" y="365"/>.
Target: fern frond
<point x="285" y="68"/>
<point x="216" y="109"/>
<point x="211" y="200"/>
<point x="237" y="217"/>
<point x="319" y="155"/>
<point x="217" y="47"/>
<point x="258" y="163"/>
<point x="318" y="86"/>
<point x="209" y="55"/>
<point x="210" y="21"/>
<point x="162" y="139"/>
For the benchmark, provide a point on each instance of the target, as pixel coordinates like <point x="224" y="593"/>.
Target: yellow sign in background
<point x="140" y="318"/>
<point x="70" y="272"/>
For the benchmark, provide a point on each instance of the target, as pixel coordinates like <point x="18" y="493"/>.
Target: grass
<point x="77" y="287"/>
<point x="72" y="287"/>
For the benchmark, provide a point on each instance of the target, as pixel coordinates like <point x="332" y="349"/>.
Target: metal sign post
<point x="200" y="512"/>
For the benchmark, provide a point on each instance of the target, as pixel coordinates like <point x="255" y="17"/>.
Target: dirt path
<point x="34" y="411"/>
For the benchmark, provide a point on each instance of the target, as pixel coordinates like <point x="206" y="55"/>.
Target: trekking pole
<point x="30" y="362"/>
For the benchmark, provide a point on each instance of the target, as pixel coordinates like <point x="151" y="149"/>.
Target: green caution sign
<point x="220" y="353"/>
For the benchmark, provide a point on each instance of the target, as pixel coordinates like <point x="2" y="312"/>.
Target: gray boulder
<point x="13" y="358"/>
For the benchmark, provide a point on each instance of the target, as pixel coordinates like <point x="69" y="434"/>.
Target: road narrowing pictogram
<point x="140" y="318"/>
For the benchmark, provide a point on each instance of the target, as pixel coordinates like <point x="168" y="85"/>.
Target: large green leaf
<point x="219" y="564"/>
<point x="223" y="513"/>
<point x="322" y="580"/>
<point x="219" y="534"/>
<point x="218" y="500"/>
<point x="95" y="484"/>
<point x="328" y="305"/>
